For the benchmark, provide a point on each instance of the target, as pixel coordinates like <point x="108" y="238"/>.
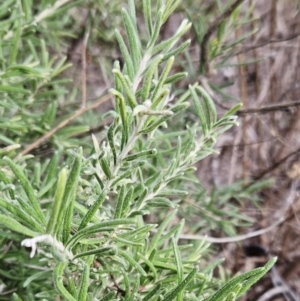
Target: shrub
<point x="87" y="213"/>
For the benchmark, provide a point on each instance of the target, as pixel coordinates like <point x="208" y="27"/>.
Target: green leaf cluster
<point x="104" y="222"/>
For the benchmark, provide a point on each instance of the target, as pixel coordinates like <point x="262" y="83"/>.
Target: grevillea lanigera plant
<point x="86" y="219"/>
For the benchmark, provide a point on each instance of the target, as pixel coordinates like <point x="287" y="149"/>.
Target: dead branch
<point x="271" y="108"/>
<point x="271" y="41"/>
<point x="262" y="110"/>
<point x="276" y="165"/>
<point x="61" y="125"/>
<point x="211" y="29"/>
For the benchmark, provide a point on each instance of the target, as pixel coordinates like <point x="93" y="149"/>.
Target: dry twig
<point x="61" y="125"/>
<point x="270" y="41"/>
<point x="211" y="29"/>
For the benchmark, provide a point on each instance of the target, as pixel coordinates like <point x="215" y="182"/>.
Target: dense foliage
<point x="101" y="217"/>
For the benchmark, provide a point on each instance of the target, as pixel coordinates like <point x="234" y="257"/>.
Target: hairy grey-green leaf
<point x="148" y="77"/>
<point x="127" y="201"/>
<point x="156" y="28"/>
<point x="159" y="121"/>
<point x="133" y="39"/>
<point x="27" y="188"/>
<point x="181" y="286"/>
<point x="120" y="200"/>
<point x="147" y="16"/>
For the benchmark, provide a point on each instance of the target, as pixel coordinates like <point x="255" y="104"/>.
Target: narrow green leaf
<point x="46" y="188"/>
<point x="136" y="286"/>
<point x="221" y="31"/>
<point x="68" y="218"/>
<point x="181" y="286"/>
<point x="120" y="202"/>
<point x="140" y="232"/>
<point x="127" y="88"/>
<point x="199" y="110"/>
<point x="50" y="114"/>
<point x="170" y="7"/>
<point x="109" y="251"/>
<point x="127" y="201"/>
<point x="177" y="50"/>
<point x="37" y="275"/>
<point x="22" y="216"/>
<point x="233" y="110"/>
<point x="177" y="260"/>
<point x="70" y="131"/>
<point x="72" y="287"/>
<point x="141" y="154"/>
<point x="149" y="264"/>
<point x="127" y="173"/>
<point x="107" y="226"/>
<point x="23" y="70"/>
<point x="118" y="84"/>
<point x="127" y="242"/>
<point x="110" y="136"/>
<point x="13" y="89"/>
<point x="126" y="284"/>
<point x="58" y="281"/>
<point x="84" y="283"/>
<point x="160" y="97"/>
<point x="91" y="212"/>
<point x="165" y="46"/>
<point x="209" y="103"/>
<point x="141" y="198"/>
<point x="249" y="282"/>
<point x="147" y="16"/>
<point x="160" y="202"/>
<point x="132" y="262"/>
<point x="71" y="186"/>
<point x="13" y="225"/>
<point x="133" y="39"/>
<point x="161" y="80"/>
<point x="11" y="145"/>
<point x="159" y="5"/>
<point x="270" y="264"/>
<point x="27" y="9"/>
<point x="60" y="67"/>
<point x="225" y="290"/>
<point x="84" y="238"/>
<point x="237" y="289"/>
<point x="148" y="77"/>
<point x="25" y="206"/>
<point x="152" y="293"/>
<point x="160" y="230"/>
<point x="172" y="233"/>
<point x="27" y="188"/>
<point x="45" y="54"/>
<point x="126" y="55"/>
<point x="15" y="43"/>
<point x="52" y="169"/>
<point x="176" y="109"/>
<point x="105" y="167"/>
<point x="6" y="181"/>
<point x="139" y="213"/>
<point x="155" y="32"/>
<point x="16" y="297"/>
<point x="231" y="297"/>
<point x="175" y="78"/>
<point x="57" y="200"/>
<point x="123" y="112"/>
<point x="132" y="13"/>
